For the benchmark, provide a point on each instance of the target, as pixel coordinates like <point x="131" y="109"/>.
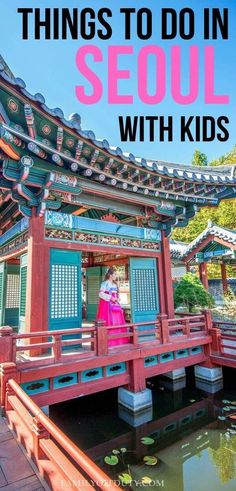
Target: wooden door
<point x="143" y="290"/>
<point x="2" y="292"/>
<point x="23" y="282"/>
<point x="94" y="278"/>
<point x="65" y="302"/>
<point x="12" y="295"/>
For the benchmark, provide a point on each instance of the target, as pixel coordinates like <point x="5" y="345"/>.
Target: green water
<point x="193" y="439"/>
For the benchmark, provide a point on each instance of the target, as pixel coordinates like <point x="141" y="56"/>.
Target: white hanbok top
<point x="107" y="286"/>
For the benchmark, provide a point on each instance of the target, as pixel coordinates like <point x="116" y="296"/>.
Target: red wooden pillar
<point x="37" y="277"/>
<point x="224" y="277"/>
<point x="188" y="267"/>
<point x="203" y="274"/>
<point x="137" y="375"/>
<point x="7" y="371"/>
<point x="161" y="288"/>
<point x="165" y="279"/>
<point x="6" y="344"/>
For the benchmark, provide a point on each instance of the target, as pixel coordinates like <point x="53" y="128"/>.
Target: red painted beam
<point x="75" y="366"/>
<point x="103" y="249"/>
<point x="187" y="343"/>
<point x="221" y="360"/>
<point x="167" y="277"/>
<point x="15" y="253"/>
<point x="37" y="277"/>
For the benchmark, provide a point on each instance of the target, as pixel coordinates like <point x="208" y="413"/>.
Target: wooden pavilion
<point x="215" y="245"/>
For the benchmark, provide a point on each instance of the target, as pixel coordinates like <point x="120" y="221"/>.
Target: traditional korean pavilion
<point x="215" y="245"/>
<point x="71" y="204"/>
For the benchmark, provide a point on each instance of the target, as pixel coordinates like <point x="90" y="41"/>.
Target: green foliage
<point x="229" y="296"/>
<point x="224" y="215"/>
<point x="125" y="479"/>
<point x="146" y="440"/>
<point x="199" y="159"/>
<point x="190" y="293"/>
<point x="224" y="458"/>
<point x="228" y="310"/>
<point x="111" y="459"/>
<point x="227" y="159"/>
<point x="150" y="460"/>
<point x="214" y="271"/>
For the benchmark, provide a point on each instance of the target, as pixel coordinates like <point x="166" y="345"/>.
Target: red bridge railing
<point x="59" y="460"/>
<point x="223" y="344"/>
<point x="225" y="326"/>
<point x="49" y="347"/>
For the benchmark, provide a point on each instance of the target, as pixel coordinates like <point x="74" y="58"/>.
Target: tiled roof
<point x="207" y="175"/>
<point x="179" y="250"/>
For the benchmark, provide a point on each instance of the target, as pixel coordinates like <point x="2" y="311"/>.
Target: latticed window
<point x="93" y="286"/>
<point x="1" y="289"/>
<point x="64" y="291"/>
<point x="23" y="290"/>
<point x="144" y="291"/>
<point x="12" y="294"/>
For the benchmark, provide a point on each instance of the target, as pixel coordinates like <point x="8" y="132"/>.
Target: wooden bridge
<point x="43" y="368"/>
<point x="55" y="366"/>
<point x="224" y="344"/>
<point x="49" y="448"/>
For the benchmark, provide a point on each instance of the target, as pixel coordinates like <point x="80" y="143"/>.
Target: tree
<point x="223" y="215"/>
<point x="191" y="293"/>
<point x="224" y="457"/>
<point x="227" y="159"/>
<point x="199" y="159"/>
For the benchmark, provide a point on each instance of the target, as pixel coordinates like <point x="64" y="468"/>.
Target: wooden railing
<point x="222" y="343"/>
<point x="50" y="347"/>
<point x="59" y="460"/>
<point x="225" y="326"/>
<point x="224" y="339"/>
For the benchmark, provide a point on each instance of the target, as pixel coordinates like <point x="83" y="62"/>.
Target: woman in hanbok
<point x="109" y="308"/>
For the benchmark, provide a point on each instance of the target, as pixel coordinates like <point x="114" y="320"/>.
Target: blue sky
<point x="49" y="67"/>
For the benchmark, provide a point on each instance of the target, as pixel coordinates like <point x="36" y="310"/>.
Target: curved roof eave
<point x="217" y="175"/>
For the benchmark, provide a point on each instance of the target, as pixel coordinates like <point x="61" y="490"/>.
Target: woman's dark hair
<point x="109" y="272"/>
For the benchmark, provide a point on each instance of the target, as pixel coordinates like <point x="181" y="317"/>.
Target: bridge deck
<point x="16" y="474"/>
<point x="224" y="344"/>
<point x="54" y="366"/>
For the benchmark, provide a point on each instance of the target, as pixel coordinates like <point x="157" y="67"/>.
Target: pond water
<point x="189" y="445"/>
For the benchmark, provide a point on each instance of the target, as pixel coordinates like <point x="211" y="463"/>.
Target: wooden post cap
<point x="6" y="331"/>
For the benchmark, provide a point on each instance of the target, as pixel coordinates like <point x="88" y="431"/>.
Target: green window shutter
<point x="144" y="289"/>
<point x="65" y="306"/>
<point x="2" y="292"/>
<point x="94" y="277"/>
<point x="23" y="283"/>
<point x="23" y="291"/>
<point x="12" y="293"/>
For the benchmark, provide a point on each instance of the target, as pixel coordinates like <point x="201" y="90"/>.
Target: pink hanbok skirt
<point x="112" y="317"/>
